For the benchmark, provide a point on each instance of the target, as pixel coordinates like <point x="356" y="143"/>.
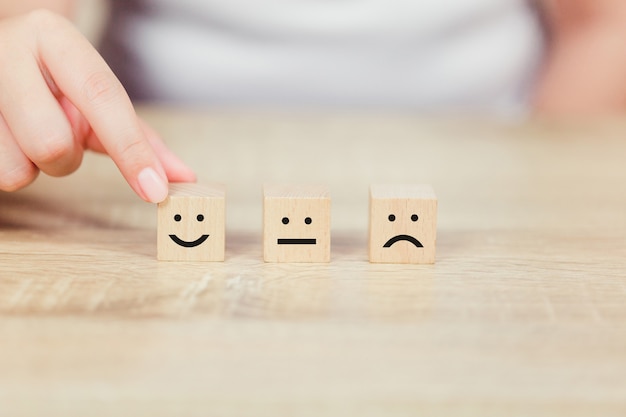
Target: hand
<point x="59" y="98"/>
<point x="585" y="65"/>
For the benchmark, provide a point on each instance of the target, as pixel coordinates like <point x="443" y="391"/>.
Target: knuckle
<point x="131" y="147"/>
<point x="56" y="147"/>
<point x="42" y="18"/>
<point x="129" y="143"/>
<point x="131" y="152"/>
<point x="17" y="177"/>
<point x="101" y="88"/>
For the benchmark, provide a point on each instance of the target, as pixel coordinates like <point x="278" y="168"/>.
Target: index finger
<point x="83" y="76"/>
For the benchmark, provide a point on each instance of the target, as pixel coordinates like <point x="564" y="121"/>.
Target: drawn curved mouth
<point x="191" y="244"/>
<point x="398" y="238"/>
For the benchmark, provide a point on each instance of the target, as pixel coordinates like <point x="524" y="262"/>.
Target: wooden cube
<point x="191" y="223"/>
<point x="296" y="223"/>
<point x="403" y="224"/>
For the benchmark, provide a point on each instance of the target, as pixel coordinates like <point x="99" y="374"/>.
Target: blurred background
<point x="91" y="17"/>
<point x="430" y="57"/>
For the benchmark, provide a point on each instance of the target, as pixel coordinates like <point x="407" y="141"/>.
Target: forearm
<point x="10" y="8"/>
<point x="585" y="68"/>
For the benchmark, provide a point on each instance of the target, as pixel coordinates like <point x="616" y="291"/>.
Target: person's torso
<point x="428" y="55"/>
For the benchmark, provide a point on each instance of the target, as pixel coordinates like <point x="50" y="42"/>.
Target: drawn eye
<point x="392" y="218"/>
<point x="200" y="218"/>
<point x="285" y="220"/>
<point x="308" y="220"/>
<point x="414" y="217"/>
<point x="177" y="218"/>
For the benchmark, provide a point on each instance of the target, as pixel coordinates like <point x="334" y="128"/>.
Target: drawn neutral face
<point x="298" y="240"/>
<point x="296" y="229"/>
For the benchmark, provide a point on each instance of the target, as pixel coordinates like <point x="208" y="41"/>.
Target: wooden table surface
<point x="523" y="314"/>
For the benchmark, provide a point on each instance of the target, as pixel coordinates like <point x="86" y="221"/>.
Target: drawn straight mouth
<point x="398" y="238"/>
<point x="191" y="244"/>
<point x="297" y="241"/>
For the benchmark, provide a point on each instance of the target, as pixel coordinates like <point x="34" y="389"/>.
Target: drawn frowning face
<point x="403" y="237"/>
<point x="402" y="224"/>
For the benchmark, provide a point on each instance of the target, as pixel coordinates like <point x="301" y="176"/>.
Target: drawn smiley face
<point x="189" y="244"/>
<point x="191" y="223"/>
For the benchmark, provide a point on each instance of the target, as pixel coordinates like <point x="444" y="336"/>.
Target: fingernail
<point x="152" y="185"/>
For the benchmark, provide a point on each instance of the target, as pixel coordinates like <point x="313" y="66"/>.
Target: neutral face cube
<point x="403" y="224"/>
<point x="296" y="224"/>
<point x="191" y="223"/>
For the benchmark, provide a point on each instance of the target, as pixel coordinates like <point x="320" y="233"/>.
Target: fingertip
<point x="153" y="187"/>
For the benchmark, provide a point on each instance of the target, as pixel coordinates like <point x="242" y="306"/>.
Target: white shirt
<point x="428" y="55"/>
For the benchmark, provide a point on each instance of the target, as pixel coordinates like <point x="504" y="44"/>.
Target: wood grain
<point x="524" y="312"/>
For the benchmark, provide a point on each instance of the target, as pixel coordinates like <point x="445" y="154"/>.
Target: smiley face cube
<point x="403" y="224"/>
<point x="296" y="223"/>
<point x="191" y="223"/>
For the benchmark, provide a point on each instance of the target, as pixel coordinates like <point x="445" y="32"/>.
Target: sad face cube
<point x="296" y="223"/>
<point x="403" y="224"/>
